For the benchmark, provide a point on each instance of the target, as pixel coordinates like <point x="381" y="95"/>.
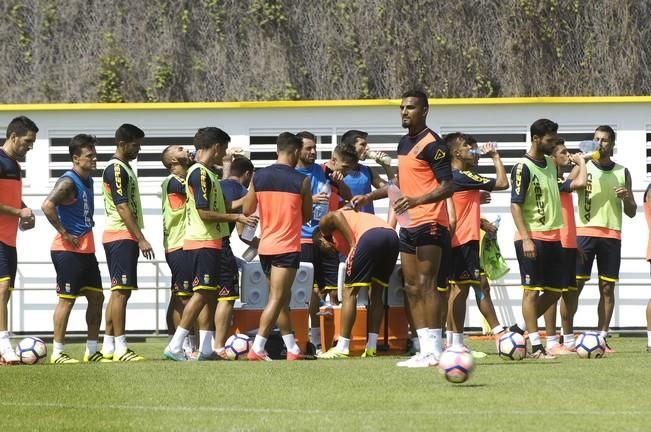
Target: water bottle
<point x="479" y="152"/>
<point x="321" y="209"/>
<point x="496" y="222"/>
<point x="386" y="160"/>
<point x="248" y="232"/>
<point x="590" y="149"/>
<point x="249" y="254"/>
<point x="394" y="194"/>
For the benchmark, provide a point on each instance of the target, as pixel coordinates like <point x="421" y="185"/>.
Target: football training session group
<point x="567" y="208"/>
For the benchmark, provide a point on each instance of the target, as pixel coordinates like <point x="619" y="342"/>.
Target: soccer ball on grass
<point x="511" y="346"/>
<point x="456" y="364"/>
<point x="31" y="350"/>
<point x="590" y="345"/>
<point x="237" y="346"/>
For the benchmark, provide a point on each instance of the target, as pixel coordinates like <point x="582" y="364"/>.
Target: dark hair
<point x="609" y="131"/>
<point x="241" y="165"/>
<point x="79" y="142"/>
<point x="209" y="136"/>
<point x="306" y="135"/>
<point x="349" y="138"/>
<point x="288" y="142"/>
<point x="422" y="97"/>
<point x="348" y="154"/>
<point x="543" y="127"/>
<point x="20" y="126"/>
<point x="128" y="133"/>
<point x="164" y="158"/>
<point x="454" y="139"/>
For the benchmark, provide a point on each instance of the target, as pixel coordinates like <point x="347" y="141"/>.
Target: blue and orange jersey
<point x="568" y="231"/>
<point x="278" y="191"/>
<point x="466" y="204"/>
<point x="359" y="224"/>
<point x="423" y="163"/>
<point x="11" y="194"/>
<point x="232" y="190"/>
<point x="360" y="182"/>
<point x="77" y="216"/>
<point x="318" y="175"/>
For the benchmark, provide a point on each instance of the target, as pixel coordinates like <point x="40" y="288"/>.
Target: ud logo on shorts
<point x="186" y="285"/>
<point x="206" y="279"/>
<point x="527" y="279"/>
<point x="67" y="287"/>
<point x="476" y="273"/>
<point x="124" y="279"/>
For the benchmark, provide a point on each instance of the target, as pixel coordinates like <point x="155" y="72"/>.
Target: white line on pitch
<point x="311" y="411"/>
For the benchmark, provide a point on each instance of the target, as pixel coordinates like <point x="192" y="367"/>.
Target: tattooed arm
<point x="63" y="192"/>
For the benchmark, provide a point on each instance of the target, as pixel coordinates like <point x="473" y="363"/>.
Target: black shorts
<point x="609" y="256"/>
<point x="465" y="264"/>
<point x="326" y="267"/>
<point x="542" y="273"/>
<point x="76" y="273"/>
<point x="569" y="268"/>
<point x="430" y="234"/>
<point x="122" y="260"/>
<point x="286" y="260"/>
<point x="204" y="265"/>
<point x="373" y="258"/>
<point x="8" y="264"/>
<point x="228" y="277"/>
<point x="179" y="266"/>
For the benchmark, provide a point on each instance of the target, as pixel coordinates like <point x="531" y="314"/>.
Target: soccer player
<point x="608" y="191"/>
<point x="647" y="215"/>
<point x="21" y="134"/>
<point x="370" y="246"/>
<point x="234" y="189"/>
<point x="425" y="178"/>
<point x="206" y="226"/>
<point x="536" y="211"/>
<point x="176" y="160"/>
<point x="575" y="181"/>
<point x="69" y="208"/>
<point x="123" y="239"/>
<point x="283" y="198"/>
<point x="360" y="178"/>
<point x="326" y="267"/>
<point x="466" y="271"/>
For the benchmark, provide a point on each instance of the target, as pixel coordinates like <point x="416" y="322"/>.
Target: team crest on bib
<point x="440" y="154"/>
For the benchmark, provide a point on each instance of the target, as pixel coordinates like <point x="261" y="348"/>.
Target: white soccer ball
<point x="590" y="345"/>
<point x="456" y="364"/>
<point x="511" y="346"/>
<point x="31" y="350"/>
<point x="237" y="346"/>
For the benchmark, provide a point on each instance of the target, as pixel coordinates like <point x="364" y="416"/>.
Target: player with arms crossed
<point x="425" y="178"/>
<point x="21" y="134"/>
<point x="283" y="199"/>
<point x="206" y="226"/>
<point x="608" y="191"/>
<point x="70" y="208"/>
<point x="466" y="271"/>
<point x="370" y="246"/>
<point x="123" y="239"/>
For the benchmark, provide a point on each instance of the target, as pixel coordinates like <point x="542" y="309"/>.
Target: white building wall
<point x="32" y="304"/>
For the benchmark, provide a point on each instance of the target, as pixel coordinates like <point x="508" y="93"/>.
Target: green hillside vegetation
<point x="238" y="50"/>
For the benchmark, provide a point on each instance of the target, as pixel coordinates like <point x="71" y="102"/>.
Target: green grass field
<point x="565" y="394"/>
